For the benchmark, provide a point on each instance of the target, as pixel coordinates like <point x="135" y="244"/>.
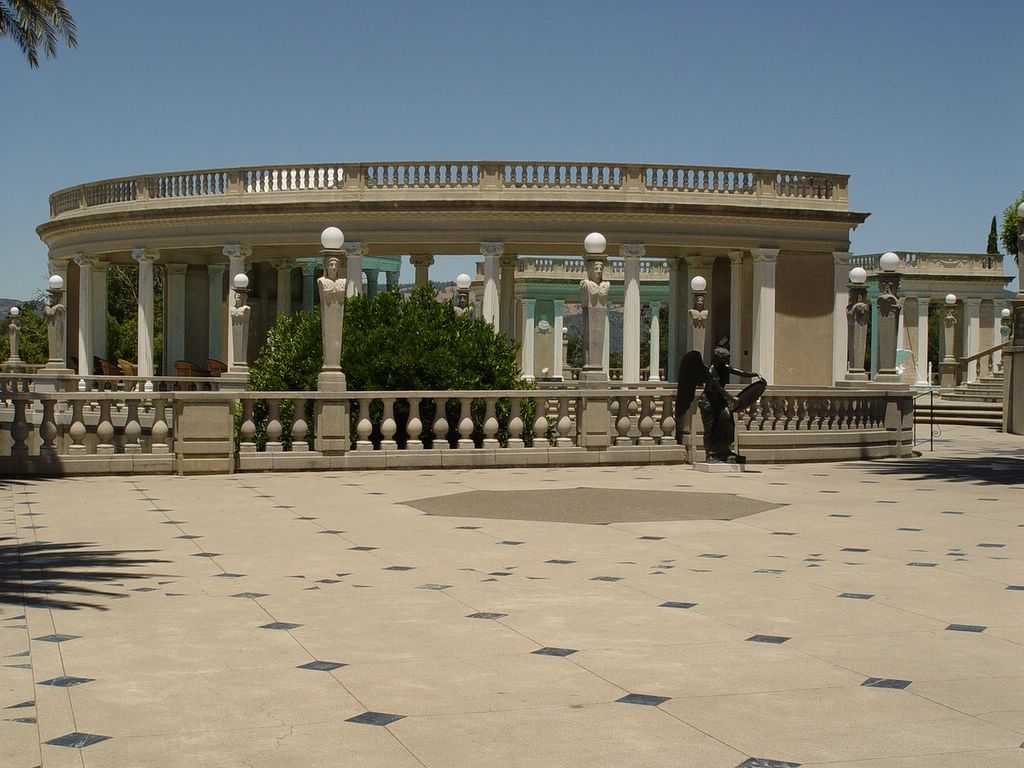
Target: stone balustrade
<point x="675" y="183"/>
<point x="935" y="263"/>
<point x="105" y="431"/>
<point x="655" y="270"/>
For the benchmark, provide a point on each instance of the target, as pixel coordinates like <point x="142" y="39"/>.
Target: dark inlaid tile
<point x="773" y="571"/>
<point x="775" y="639"/>
<point x="512" y="543"/>
<point x="500" y="573"/>
<point x="645" y="699"/>
<point x="838" y="515"/>
<point x="651" y="538"/>
<point x="992" y="546"/>
<point x="331" y="532"/>
<point x="673" y="604"/>
<point x="228" y="575"/>
<point x="375" y="718"/>
<point x="19" y="654"/>
<point x="856" y="595"/>
<point x="399" y="568"/>
<point x="467" y="527"/>
<point x="362" y="549"/>
<point x="328" y="581"/>
<point x="27" y="720"/>
<point x="322" y="666"/>
<point x="18" y="666"/>
<point x="607" y="578"/>
<point x="434" y="586"/>
<point x="250" y="595"/>
<point x="206" y="554"/>
<point x="923" y="565"/>
<point x="173" y="522"/>
<point x="712" y="554"/>
<point x="143" y="589"/>
<point x="909" y="529"/>
<point x="966" y="628"/>
<point x="828" y="491"/>
<point x="77" y="740"/>
<point x="280" y="625"/>
<point x="885" y="682"/>
<point x="547" y="651"/>
<point x="951" y="512"/>
<point x="66" y="682"/>
<point x="1016" y="587"/>
<point x="283" y="506"/>
<point x="58" y="638"/>
<point x="764" y="762"/>
<point x="854" y="549"/>
<point x="783" y="533"/>
<point x="560" y="562"/>
<point x="188" y="536"/>
<point x="485" y="615"/>
<point x="306" y="517"/>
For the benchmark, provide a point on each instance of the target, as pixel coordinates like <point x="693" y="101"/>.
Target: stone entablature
<point x="921" y="263"/>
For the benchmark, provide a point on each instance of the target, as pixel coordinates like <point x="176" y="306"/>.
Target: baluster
<point x="77" y="429"/>
<point x="622" y="422"/>
<point x="646" y="423"/>
<point x="19" y="428"/>
<point x="247" y="432"/>
<point x="414" y="426"/>
<point x="564" y="424"/>
<point x="105" y="430"/>
<point x="158" y="432"/>
<point x="540" y="423"/>
<point x="515" y="423"/>
<point x="441" y="425"/>
<point x="274" y="428"/>
<point x="48" y="427"/>
<point x="668" y="420"/>
<point x="300" y="428"/>
<point x="388" y="427"/>
<point x="132" y="428"/>
<point x="491" y="423"/>
<point x="364" y="427"/>
<point x="465" y="424"/>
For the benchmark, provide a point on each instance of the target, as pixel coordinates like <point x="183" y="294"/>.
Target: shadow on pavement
<point x="65" y="575"/>
<point x="993" y="470"/>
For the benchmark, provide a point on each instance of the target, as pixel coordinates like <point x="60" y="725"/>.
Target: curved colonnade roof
<point x="538" y="208"/>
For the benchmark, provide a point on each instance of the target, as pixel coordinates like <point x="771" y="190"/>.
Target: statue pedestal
<point x="717" y="467"/>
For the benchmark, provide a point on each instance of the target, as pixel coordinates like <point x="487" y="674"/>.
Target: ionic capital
<point x="236" y="251"/>
<point x="764" y="255"/>
<point x="632" y="250"/>
<point x="176" y="269"/>
<point x="491" y="248"/>
<point x="974" y="301"/>
<point x="281" y="263"/>
<point x="735" y="257"/>
<point x="421" y="259"/>
<point x="145" y="254"/>
<point x="85" y="260"/>
<point x="508" y="260"/>
<point x="356" y="248"/>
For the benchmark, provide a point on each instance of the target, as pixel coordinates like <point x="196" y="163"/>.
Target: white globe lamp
<point x="858" y="276"/>
<point x="332" y="239"/>
<point x="56" y="282"/>
<point x="463" y="281"/>
<point x="594" y="243"/>
<point x="14" y="312"/>
<point x="698" y="284"/>
<point x="950" y="299"/>
<point x="240" y="281"/>
<point x="889" y="262"/>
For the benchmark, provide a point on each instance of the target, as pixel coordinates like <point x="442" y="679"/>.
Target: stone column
<point x="840" y="334"/>
<point x="390" y="280"/>
<point x="145" y="257"/>
<point x="972" y="334"/>
<point x="507" y="303"/>
<point x="631" y="254"/>
<point x="921" y="353"/>
<point x="736" y="307"/>
<point x="557" y="368"/>
<point x="284" y="285"/>
<point x="699" y="316"/>
<point x="606" y="346"/>
<point x="703" y="266"/>
<point x="85" y="310"/>
<point x="529" y="307"/>
<point x="99" y="308"/>
<point x="594" y="299"/>
<point x="215" y="313"/>
<point x="422" y="262"/>
<point x="308" y="287"/>
<point x="857" y="312"/>
<point x="372" y="282"/>
<point x="491" y="251"/>
<point x="655" y="356"/>
<point x="763" y="347"/>
<point x="237" y="254"/>
<point x="949" y="363"/>
<point x="678" y="280"/>
<point x="175" y="308"/>
<point x="888" y="307"/>
<point x="354" y="270"/>
<point x="56" y="318"/>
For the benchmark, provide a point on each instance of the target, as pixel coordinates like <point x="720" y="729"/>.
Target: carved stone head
<point x="595" y="270"/>
<point x="332" y="265"/>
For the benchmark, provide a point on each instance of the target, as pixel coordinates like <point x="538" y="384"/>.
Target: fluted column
<point x="606" y="343"/>
<point x="921" y="353"/>
<point x="840" y="331"/>
<point x="763" y="347"/>
<point x="422" y="262"/>
<point x="284" y="285"/>
<point x="308" y="287"/>
<point x="145" y="257"/>
<point x="354" y="271"/>
<point x="237" y="254"/>
<point x="99" y="308"/>
<point x="557" y="368"/>
<point x="972" y="334"/>
<point x="653" y="363"/>
<point x="85" y="310"/>
<point x="736" y="306"/>
<point x="215" y="313"/>
<point x="631" y="254"/>
<point x="174" y="331"/>
<point x="507" y="305"/>
<point x="372" y="282"/>
<point x="529" y="309"/>
<point x="678" y="279"/>
<point x="491" y="251"/>
<point x="703" y="266"/>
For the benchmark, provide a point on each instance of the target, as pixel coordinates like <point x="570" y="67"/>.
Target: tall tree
<point x="37" y="24"/>
<point x="1009" y="233"/>
<point x="993" y="238"/>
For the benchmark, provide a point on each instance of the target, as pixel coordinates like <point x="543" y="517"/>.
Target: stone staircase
<point x="985" y="389"/>
<point x="977" y="404"/>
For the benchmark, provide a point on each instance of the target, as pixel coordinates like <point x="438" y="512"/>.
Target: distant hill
<point x="6" y="304"/>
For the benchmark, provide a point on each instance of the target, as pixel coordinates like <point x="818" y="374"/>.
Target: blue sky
<point x="919" y="102"/>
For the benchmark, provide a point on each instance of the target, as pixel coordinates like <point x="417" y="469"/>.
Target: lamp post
<point x="56" y="329"/>
<point x="948" y="364"/>
<point x="462" y="284"/>
<point x="1013" y="354"/>
<point x="1005" y="328"/>
<point x="594" y="292"/>
<point x="889" y="306"/>
<point x="240" y="325"/>
<point x="699" y="313"/>
<point x="15" y="335"/>
<point x="332" y="286"/>
<point x="857" y="312"/>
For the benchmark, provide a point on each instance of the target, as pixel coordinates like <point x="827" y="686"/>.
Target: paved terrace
<point x="861" y="614"/>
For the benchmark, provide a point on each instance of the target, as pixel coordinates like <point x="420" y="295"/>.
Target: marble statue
<point x="332" y="311"/>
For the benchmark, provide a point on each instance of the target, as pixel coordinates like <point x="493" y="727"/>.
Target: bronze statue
<point x="716" y="405"/>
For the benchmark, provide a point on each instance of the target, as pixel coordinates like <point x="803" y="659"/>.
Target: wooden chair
<point x="130" y="370"/>
<point x="187" y="368"/>
<point x="103" y="367"/>
<point x="216" y="367"/>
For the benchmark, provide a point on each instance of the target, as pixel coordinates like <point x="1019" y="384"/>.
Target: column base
<point x="888" y="377"/>
<point x="233" y="381"/>
<point x="331" y="381"/>
<point x="593" y="374"/>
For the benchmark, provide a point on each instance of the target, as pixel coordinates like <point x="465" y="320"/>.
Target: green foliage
<point x="1009" y="232"/>
<point x="292" y="356"/>
<point x="123" y="314"/>
<point x="33" y="347"/>
<point x="35" y="25"/>
<point x="993" y="238"/>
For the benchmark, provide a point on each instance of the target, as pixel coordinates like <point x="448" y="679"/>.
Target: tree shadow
<point x="65" y="575"/>
<point x="1003" y="469"/>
